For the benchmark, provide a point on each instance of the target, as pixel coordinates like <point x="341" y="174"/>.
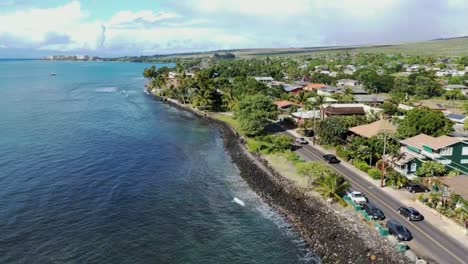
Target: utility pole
<point x="383" y="160"/>
<point x="315" y="130"/>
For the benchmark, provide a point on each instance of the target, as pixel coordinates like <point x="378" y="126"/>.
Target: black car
<point x="331" y="158"/>
<point x="415" y="188"/>
<point x="399" y="231"/>
<point x="373" y="211"/>
<point x="410" y="213"/>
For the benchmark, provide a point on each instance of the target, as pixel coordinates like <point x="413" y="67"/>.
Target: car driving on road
<point x="373" y="211"/>
<point x="410" y="213"/>
<point x="398" y="230"/>
<point x="330" y="158"/>
<point x="301" y="141"/>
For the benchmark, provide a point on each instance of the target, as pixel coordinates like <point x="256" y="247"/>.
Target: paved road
<point x="428" y="241"/>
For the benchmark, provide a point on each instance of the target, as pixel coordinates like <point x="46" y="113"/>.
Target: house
<point x="292" y="88"/>
<point x="357" y="90"/>
<point x="347" y="82"/>
<point x="349" y="69"/>
<point x="314" y="87"/>
<point x="450" y="151"/>
<point x="284" y="104"/>
<point x="457" y="185"/>
<point x="352" y="109"/>
<point x="413" y="68"/>
<point x="265" y="80"/>
<point x="302" y="116"/>
<point x="452" y="87"/>
<point x="373" y="129"/>
<point x="343" y="111"/>
<point x="405" y="107"/>
<point x="370" y="99"/>
<point x="329" y="90"/>
<point x="459" y="119"/>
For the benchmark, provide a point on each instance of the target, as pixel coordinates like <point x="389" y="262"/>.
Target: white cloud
<point x="188" y="25"/>
<point x="31" y="28"/>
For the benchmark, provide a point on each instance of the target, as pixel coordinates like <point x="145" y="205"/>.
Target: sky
<point x="143" y="27"/>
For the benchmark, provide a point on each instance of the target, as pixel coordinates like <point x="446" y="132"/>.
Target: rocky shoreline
<point x="334" y="237"/>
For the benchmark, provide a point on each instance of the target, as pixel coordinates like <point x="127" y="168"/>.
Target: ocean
<point x="93" y="170"/>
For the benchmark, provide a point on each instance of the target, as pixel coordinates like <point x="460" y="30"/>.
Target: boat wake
<point x="107" y="90"/>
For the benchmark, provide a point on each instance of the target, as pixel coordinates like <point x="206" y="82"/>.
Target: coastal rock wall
<point x="334" y="239"/>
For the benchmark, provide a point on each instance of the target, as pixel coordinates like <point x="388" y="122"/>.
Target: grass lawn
<point x="228" y="119"/>
<point x="286" y="169"/>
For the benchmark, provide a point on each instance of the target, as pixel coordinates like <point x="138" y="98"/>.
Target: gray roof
<point x="290" y="88"/>
<point x="331" y="89"/>
<point x="368" y="98"/>
<point x="456" y="116"/>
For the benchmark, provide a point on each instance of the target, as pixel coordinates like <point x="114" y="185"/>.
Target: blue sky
<point x="142" y="27"/>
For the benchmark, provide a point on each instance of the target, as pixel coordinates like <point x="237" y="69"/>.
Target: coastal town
<point x="390" y="128"/>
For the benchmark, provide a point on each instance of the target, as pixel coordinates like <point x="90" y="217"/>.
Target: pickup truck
<point x="357" y="197"/>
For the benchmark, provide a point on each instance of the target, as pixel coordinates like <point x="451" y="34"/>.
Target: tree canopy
<point x="426" y="121"/>
<point x="254" y="112"/>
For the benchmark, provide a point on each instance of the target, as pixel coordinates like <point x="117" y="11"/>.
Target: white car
<point x="301" y="141"/>
<point x="357" y="197"/>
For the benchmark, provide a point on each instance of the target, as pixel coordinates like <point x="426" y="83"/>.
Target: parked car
<point x="416" y="188"/>
<point x="410" y="213"/>
<point x="357" y="197"/>
<point x="301" y="141"/>
<point x="330" y="158"/>
<point x="373" y="211"/>
<point x="398" y="230"/>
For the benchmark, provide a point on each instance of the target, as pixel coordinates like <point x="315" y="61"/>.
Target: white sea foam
<point x="107" y="90"/>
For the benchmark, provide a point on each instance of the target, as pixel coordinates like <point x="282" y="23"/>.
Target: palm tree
<point x="320" y="101"/>
<point x="230" y="99"/>
<point x="301" y="99"/>
<point x="332" y="186"/>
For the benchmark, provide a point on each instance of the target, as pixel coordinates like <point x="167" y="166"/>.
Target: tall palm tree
<point x="320" y="101"/>
<point x="332" y="186"/>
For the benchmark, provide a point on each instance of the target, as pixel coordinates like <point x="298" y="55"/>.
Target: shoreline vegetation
<point x="273" y="103"/>
<point x="334" y="233"/>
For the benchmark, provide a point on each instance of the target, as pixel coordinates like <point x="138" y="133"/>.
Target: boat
<point x="238" y="201"/>
<point x="52" y="74"/>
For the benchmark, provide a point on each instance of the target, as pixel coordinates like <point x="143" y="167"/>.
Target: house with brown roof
<point x="314" y="87"/>
<point x="457" y="185"/>
<point x="284" y="104"/>
<point x="373" y="129"/>
<point x="450" y="151"/>
<point x="343" y="111"/>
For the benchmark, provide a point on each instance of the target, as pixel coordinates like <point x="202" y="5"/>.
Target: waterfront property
<point x="450" y="151"/>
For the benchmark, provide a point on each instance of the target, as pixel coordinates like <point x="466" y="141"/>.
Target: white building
<point x="267" y="80"/>
<point x="347" y="82"/>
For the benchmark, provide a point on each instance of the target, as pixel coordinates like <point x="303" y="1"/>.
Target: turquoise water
<point x="92" y="170"/>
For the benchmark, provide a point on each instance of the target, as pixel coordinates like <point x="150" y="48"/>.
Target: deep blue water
<point x="92" y="170"/>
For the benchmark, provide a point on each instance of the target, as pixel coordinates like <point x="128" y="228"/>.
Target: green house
<point x="450" y="151"/>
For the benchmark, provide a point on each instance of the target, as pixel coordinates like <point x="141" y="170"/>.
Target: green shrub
<point x="342" y="153"/>
<point x="292" y="157"/>
<point x="270" y="144"/>
<point x="374" y="173"/>
<point x="395" y="179"/>
<point x="362" y="166"/>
